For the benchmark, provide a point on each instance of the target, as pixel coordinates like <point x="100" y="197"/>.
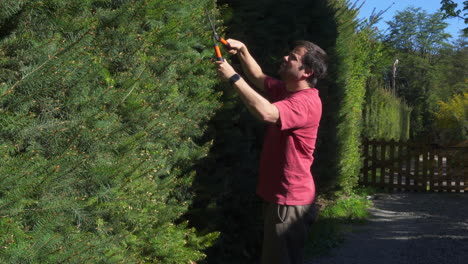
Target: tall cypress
<point x="103" y="104"/>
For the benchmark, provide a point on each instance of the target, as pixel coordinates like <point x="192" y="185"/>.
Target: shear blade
<point x="215" y="34"/>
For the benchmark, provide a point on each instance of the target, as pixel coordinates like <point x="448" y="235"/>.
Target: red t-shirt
<point x="285" y="176"/>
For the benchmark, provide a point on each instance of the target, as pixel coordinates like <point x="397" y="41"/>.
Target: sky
<point x="430" y="6"/>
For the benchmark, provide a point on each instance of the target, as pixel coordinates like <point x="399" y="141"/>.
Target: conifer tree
<point x="101" y="106"/>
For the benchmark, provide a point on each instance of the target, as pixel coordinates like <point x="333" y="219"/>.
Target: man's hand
<point x="250" y="67"/>
<point x="235" y="46"/>
<point x="225" y="70"/>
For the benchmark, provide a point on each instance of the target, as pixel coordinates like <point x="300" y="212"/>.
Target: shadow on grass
<point x="336" y="219"/>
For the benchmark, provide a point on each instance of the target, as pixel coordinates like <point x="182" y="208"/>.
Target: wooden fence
<point x="414" y="166"/>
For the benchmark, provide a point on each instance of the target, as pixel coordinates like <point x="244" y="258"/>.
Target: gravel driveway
<point x="416" y="228"/>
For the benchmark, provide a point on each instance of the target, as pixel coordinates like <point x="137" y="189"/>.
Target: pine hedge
<point x="357" y="59"/>
<point x="385" y="116"/>
<point x="103" y="105"/>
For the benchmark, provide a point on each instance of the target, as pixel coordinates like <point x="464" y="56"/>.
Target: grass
<point x="335" y="219"/>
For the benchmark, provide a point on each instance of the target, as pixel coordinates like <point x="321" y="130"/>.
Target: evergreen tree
<point x="102" y="107"/>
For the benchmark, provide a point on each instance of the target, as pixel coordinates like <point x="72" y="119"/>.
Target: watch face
<point x="234" y="78"/>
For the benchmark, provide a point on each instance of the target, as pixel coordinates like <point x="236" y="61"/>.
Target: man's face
<point x="291" y="68"/>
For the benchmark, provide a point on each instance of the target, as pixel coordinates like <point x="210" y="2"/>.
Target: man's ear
<point x="308" y="72"/>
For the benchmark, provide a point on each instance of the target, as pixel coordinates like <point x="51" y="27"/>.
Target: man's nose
<point x="286" y="58"/>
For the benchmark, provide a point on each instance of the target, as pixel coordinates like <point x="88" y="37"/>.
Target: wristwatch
<point x="234" y="78"/>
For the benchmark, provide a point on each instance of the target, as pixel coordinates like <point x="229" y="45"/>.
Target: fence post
<point x="382" y="164"/>
<point x="465" y="170"/>
<point x="409" y="166"/>
<point x="431" y="167"/>
<point x="374" y="163"/>
<point x="440" y="170"/>
<point x="400" y="164"/>
<point x="416" y="167"/>
<point x="365" y="168"/>
<point x="392" y="163"/>
<point x="424" y="150"/>
<point x="448" y="161"/>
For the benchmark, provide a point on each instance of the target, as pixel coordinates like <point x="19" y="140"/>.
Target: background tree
<point x="452" y="119"/>
<point x="385" y="116"/>
<point x="417" y="39"/>
<point x="450" y="9"/>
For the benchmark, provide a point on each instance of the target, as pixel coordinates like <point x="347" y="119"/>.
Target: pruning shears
<point x="216" y="38"/>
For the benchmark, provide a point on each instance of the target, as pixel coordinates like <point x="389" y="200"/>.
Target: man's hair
<point x="315" y="59"/>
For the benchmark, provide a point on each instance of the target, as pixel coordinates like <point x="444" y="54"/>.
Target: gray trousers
<point x="285" y="231"/>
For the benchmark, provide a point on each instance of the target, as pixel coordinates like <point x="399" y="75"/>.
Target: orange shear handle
<point x="225" y="43"/>
<point x="219" y="57"/>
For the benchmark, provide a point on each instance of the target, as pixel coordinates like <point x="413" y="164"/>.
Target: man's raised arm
<point x="250" y="67"/>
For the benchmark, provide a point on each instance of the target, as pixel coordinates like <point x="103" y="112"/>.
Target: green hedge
<point x="103" y="105"/>
<point x="385" y="116"/>
<point x="350" y="69"/>
<point x="358" y="110"/>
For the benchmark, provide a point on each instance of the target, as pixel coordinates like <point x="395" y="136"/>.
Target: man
<point x="292" y="112"/>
